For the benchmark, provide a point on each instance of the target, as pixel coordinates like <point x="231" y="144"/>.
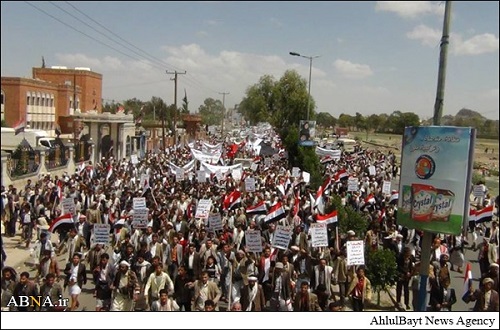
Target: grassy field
<point x="488" y="161"/>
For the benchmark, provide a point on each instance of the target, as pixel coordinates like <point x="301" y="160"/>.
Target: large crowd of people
<point x="180" y="261"/>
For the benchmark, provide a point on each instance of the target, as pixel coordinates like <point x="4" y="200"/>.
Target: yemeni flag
<point x="370" y="199"/>
<point x="341" y="174"/>
<point x="232" y="200"/>
<point x="259" y="208"/>
<point x="485" y="214"/>
<point x="110" y="172"/>
<point x="394" y="197"/>
<point x="65" y="221"/>
<point x="321" y="191"/>
<point x="467" y="283"/>
<point x="472" y="215"/>
<point x="326" y="159"/>
<point x="327" y="218"/>
<point x="381" y="216"/>
<point x="20" y="126"/>
<point x="277" y="212"/>
<point x="296" y="204"/>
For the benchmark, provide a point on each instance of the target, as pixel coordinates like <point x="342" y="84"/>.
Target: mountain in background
<point x="486" y="128"/>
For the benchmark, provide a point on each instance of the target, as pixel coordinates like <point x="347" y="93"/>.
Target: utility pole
<point x="223" y="112"/>
<point x="438" y="113"/>
<point x="175" y="73"/>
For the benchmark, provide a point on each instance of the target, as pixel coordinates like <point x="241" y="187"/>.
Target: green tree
<point x="259" y="102"/>
<point x="4" y="123"/>
<point x="381" y="270"/>
<point x="346" y="120"/>
<point x="211" y="111"/>
<point x="349" y="219"/>
<point x="185" y="104"/>
<point x="324" y="119"/>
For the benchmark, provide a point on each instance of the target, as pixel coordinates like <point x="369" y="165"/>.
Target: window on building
<point x="128" y="146"/>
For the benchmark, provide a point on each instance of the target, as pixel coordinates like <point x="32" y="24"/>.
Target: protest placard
<point x="319" y="234"/>
<point x="352" y="184"/>
<point x="282" y="237"/>
<point x="372" y="170"/>
<point x="203" y="208"/>
<point x="101" y="233"/>
<point x="140" y="218"/>
<point x="179" y="174"/>
<point x="386" y="188"/>
<point x="202" y="176"/>
<point x="134" y="159"/>
<point x="253" y="241"/>
<point x="250" y="184"/>
<point x="295" y="172"/>
<point x="215" y="222"/>
<point x="139" y="203"/>
<point x="68" y="206"/>
<point x="355" y="253"/>
<point x="236" y="174"/>
<point x="254" y="167"/>
<point x="478" y="191"/>
<point x="306" y="176"/>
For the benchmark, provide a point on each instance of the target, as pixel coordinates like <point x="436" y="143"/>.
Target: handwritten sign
<point x="236" y="174"/>
<point x="134" y="161"/>
<point x="478" y="191"/>
<point x="319" y="234"/>
<point x="355" y="253"/>
<point x="250" y="184"/>
<point x="139" y="203"/>
<point x="295" y="172"/>
<point x="215" y="222"/>
<point x="253" y="240"/>
<point x="352" y="184"/>
<point x="140" y="218"/>
<point x="267" y="161"/>
<point x="372" y="170"/>
<point x="203" y="208"/>
<point x="202" y="176"/>
<point x="282" y="237"/>
<point x="386" y="188"/>
<point x="306" y="176"/>
<point x="179" y="174"/>
<point x="254" y="167"/>
<point x="101" y="233"/>
<point x="68" y="206"/>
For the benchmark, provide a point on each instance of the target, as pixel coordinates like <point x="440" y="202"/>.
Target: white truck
<point x="36" y="138"/>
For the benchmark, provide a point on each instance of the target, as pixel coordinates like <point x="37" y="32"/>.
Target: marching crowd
<point x="179" y="262"/>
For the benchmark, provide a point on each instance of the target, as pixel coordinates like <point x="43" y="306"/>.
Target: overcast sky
<point x="375" y="57"/>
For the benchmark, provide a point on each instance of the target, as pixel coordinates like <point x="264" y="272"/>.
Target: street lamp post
<point x="309" y="83"/>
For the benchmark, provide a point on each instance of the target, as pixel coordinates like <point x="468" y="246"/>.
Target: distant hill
<point x="486" y="128"/>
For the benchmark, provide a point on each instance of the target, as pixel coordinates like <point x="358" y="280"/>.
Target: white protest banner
<point x="282" y="237"/>
<point x="295" y="172"/>
<point x="254" y="167"/>
<point x="355" y="253"/>
<point x="140" y="218"/>
<point x="372" y="170"/>
<point x="319" y="234"/>
<point x="179" y="174"/>
<point x="202" y="176"/>
<point x="203" y="208"/>
<point x="68" y="206"/>
<point x="236" y="174"/>
<point x="253" y="239"/>
<point x="139" y="203"/>
<point x="352" y="184"/>
<point x="101" y="233"/>
<point x="250" y="184"/>
<point x="134" y="159"/>
<point x="478" y="191"/>
<point x="386" y="188"/>
<point x="215" y="222"/>
<point x="306" y="176"/>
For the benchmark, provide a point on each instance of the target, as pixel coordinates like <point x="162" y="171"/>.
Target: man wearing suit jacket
<point x="322" y="275"/>
<point x="252" y="296"/>
<point x="486" y="298"/>
<point x="192" y="262"/>
<point x="175" y="254"/>
<point x="81" y="277"/>
<point x="306" y="301"/>
<point x="205" y="290"/>
<point x="442" y="297"/>
<point x="299" y="239"/>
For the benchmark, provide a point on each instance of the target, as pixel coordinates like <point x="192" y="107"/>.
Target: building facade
<point x="52" y="92"/>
